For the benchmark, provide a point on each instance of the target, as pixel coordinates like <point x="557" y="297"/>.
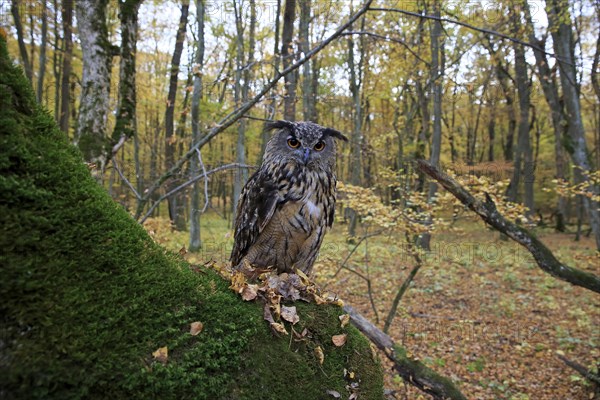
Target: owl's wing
<point x="255" y="208"/>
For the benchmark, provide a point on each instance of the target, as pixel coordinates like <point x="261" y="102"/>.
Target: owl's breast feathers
<point x="282" y="216"/>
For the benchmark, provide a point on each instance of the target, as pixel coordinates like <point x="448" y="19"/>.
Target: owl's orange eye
<point x="320" y="145"/>
<point x="293" y="143"/>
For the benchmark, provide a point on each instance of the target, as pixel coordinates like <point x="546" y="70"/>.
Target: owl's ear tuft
<point x="279" y="125"/>
<point x="335" y="134"/>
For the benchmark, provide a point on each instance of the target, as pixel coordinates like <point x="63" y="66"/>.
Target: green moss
<point x="86" y="296"/>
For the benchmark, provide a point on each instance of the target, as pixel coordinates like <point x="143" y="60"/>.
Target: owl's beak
<point x="306" y="156"/>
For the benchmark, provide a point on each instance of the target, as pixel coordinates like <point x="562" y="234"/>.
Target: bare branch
<point x="389" y="39"/>
<point x="488" y="212"/>
<point x="205" y="181"/>
<point x="188" y="183"/>
<point x="129" y="185"/>
<point x="466" y="25"/>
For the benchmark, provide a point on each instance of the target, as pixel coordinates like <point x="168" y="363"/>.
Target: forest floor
<point x="479" y="310"/>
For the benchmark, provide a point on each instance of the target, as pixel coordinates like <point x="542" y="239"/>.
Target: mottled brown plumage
<point x="287" y="206"/>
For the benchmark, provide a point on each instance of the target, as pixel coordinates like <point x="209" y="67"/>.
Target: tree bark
<point x="56" y="61"/>
<point x="91" y="134"/>
<point x="65" y="90"/>
<point x="174" y="201"/>
<point x="287" y="54"/>
<point x="559" y="21"/>
<point x="195" y="240"/>
<point x="14" y="9"/>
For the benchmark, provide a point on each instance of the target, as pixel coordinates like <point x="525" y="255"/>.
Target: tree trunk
<point x="523" y="167"/>
<point x="56" y="61"/>
<point x="240" y="176"/>
<point x="562" y="35"/>
<point x="308" y="97"/>
<point x="65" y="91"/>
<point x="195" y="242"/>
<point x="90" y="135"/>
<point x="174" y="201"/>
<point x="273" y="105"/>
<point x="125" y="124"/>
<point x="287" y="54"/>
<point x="43" y="44"/>
<point x="437" y="76"/>
<point x="356" y="161"/>
<point x="14" y="9"/>
<point x="559" y="123"/>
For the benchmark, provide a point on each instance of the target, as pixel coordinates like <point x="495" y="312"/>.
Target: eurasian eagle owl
<point x="287" y="205"/>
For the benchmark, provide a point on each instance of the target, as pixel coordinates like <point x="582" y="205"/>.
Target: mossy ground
<point x="86" y="296"/>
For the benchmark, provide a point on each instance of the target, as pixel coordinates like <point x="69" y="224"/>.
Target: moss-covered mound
<point x="86" y="297"/>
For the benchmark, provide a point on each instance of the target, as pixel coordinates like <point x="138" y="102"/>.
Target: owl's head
<point x="305" y="143"/>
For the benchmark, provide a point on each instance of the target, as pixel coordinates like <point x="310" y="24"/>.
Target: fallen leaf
<point x="182" y="251"/>
<point x="279" y="328"/>
<point x="344" y="319"/>
<point x="339" y="340"/>
<point x="249" y="292"/>
<point x="238" y="282"/>
<point x="161" y="355"/>
<point x="290" y="314"/>
<point x="334" y="394"/>
<point x="196" y="328"/>
<point x="353" y="396"/>
<point x="320" y="355"/>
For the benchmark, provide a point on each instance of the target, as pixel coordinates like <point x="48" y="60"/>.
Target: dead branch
<point x="488" y="212"/>
<point x="583" y="371"/>
<point x="411" y="370"/>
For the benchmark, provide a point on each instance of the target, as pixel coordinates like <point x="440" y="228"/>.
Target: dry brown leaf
<point x="290" y="314"/>
<point x="319" y="354"/>
<point x="196" y="328"/>
<point x="238" y="282"/>
<point x="279" y="328"/>
<point x="339" y="340"/>
<point x="344" y="319"/>
<point x="249" y="292"/>
<point x="161" y="355"/>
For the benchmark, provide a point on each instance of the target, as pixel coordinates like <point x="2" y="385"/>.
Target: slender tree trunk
<point x="91" y="134"/>
<point x="356" y="160"/>
<point x="174" y="201"/>
<point x="524" y="168"/>
<point x="287" y="54"/>
<point x="195" y="211"/>
<point x="56" y="61"/>
<point x="559" y="123"/>
<point x="43" y="44"/>
<point x="308" y="97"/>
<point x="14" y="9"/>
<point x="125" y="124"/>
<point x="562" y="35"/>
<point x="65" y="90"/>
<point x="437" y="76"/>
<point x="273" y="105"/>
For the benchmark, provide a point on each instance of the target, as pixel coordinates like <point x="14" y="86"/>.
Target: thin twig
<point x="205" y="181"/>
<point x="466" y="25"/>
<point x="129" y="185"/>
<point x="389" y="39"/>
<point x="188" y="183"/>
